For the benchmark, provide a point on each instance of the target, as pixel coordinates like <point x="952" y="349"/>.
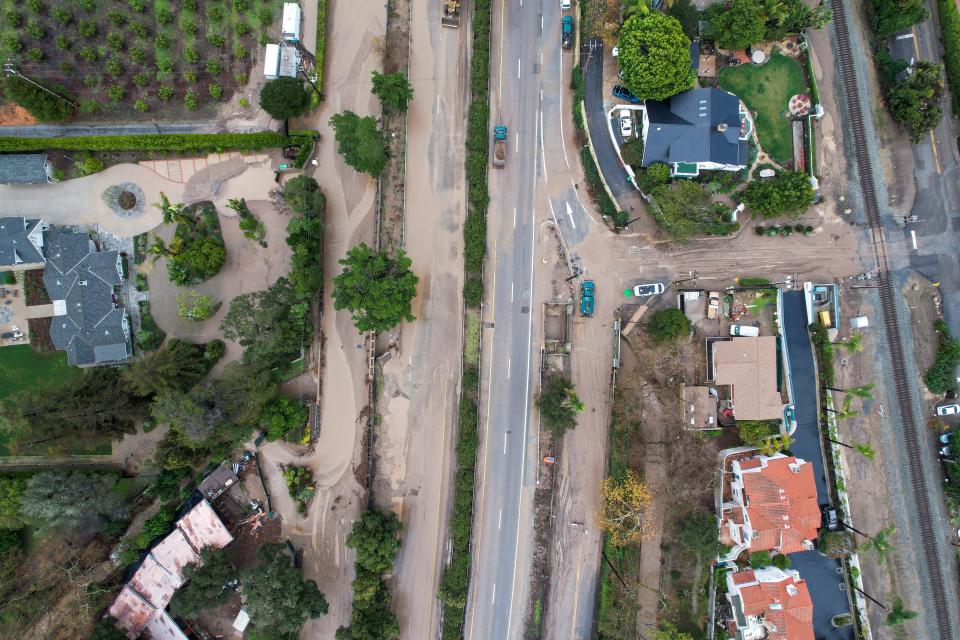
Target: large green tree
<point x="303" y="195"/>
<point x="362" y="145"/>
<point x="284" y="98"/>
<point x="393" y="89"/>
<point x="740" y="25"/>
<point x="789" y="192"/>
<point x="44" y="105"/>
<point x="106" y="629"/>
<point x="891" y="16"/>
<point x="273" y="325"/>
<point x="279" y="600"/>
<point x="305" y="235"/>
<point x="54" y="499"/>
<point x="177" y="366"/>
<point x="376" y="288"/>
<point x="915" y="100"/>
<point x="283" y="415"/>
<point x="559" y="405"/>
<point x="375" y="537"/>
<point x="11" y="492"/>
<point x="207" y="584"/>
<point x="655" y="56"/>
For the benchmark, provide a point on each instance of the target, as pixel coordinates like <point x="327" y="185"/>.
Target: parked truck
<point x="499" y="146"/>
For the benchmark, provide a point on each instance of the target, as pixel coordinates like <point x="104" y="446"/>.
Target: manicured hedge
<point x="177" y="142"/>
<point x="595" y="183"/>
<point x="950" y="23"/>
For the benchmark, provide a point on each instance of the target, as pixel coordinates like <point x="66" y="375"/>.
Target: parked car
<point x="945" y="451"/>
<point x="830" y="519"/>
<point x="586" y="297"/>
<point x="620" y="91"/>
<point x="644" y="290"/>
<point x="626" y="123"/>
<point x="946" y="437"/>
<point x="566" y="36"/>
<point x="744" y="330"/>
<point x="948" y="409"/>
<point x="565" y="4"/>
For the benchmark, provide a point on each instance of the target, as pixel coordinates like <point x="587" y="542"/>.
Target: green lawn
<point x="21" y="366"/>
<point x="767" y="91"/>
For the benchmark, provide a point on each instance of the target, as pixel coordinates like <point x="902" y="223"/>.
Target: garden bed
<point x="138" y="58"/>
<point x="300" y="484"/>
<point x="766" y="90"/>
<point x="197" y="251"/>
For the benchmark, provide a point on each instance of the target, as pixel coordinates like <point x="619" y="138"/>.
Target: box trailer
<point x="271" y="62"/>
<point x="292" y="18"/>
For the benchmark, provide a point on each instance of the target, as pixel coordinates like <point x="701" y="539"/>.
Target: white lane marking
<point x="570" y="215"/>
<point x="526" y="405"/>
<point x="518" y="67"/>
<point x="515" y="215"/>
<point x="543" y="153"/>
<point x="517" y="145"/>
<point x="562" y="112"/>
<point x="504" y="446"/>
<point x="437" y="108"/>
<point x="500" y="519"/>
<point x="509" y="362"/>
<point x="511" y="292"/>
<point x="494" y="595"/>
<point x="913" y="239"/>
<point x="541" y="23"/>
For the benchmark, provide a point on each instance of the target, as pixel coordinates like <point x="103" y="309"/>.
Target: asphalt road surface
<point x="822" y="573"/>
<point x="525" y="58"/>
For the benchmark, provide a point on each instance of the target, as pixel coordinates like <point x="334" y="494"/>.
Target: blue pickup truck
<point x="586" y="297"/>
<point x="566" y="38"/>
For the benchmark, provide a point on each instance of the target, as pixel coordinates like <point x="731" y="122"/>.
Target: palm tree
<point x="880" y="543"/>
<point x="776" y="11"/>
<point x="899" y="614"/>
<point x="863" y="448"/>
<point x="863" y="391"/>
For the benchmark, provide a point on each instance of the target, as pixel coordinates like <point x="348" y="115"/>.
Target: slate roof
<point x="685" y="128"/>
<point x="80" y="280"/>
<point x="16" y="244"/>
<point x="23" y="168"/>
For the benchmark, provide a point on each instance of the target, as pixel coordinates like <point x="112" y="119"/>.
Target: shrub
<point x="559" y="405"/>
<point x="141" y="105"/>
<point x="90" y="81"/>
<point x="632" y="152"/>
<point x="216" y="40"/>
<point x="213" y="67"/>
<point x="759" y="230"/>
<point x="473" y="291"/>
<point x="216" y="91"/>
<point x="240" y="53"/>
<point x="114" y="67"/>
<point x="191" y="55"/>
<point x="88" y="5"/>
<point x="667" y="324"/>
<point x="190" y="102"/>
<point x="12" y="43"/>
<point x="37" y="6"/>
<point x="165" y="92"/>
<point x="242" y="28"/>
<point x="940" y="377"/>
<point x="163" y="15"/>
<point x="180" y="143"/>
<point x="161" y="41"/>
<point x="13" y="19"/>
<point x="138" y="55"/>
<point x="36" y="30"/>
<point x="284" y="98"/>
<point x="116" y="18"/>
<point x="89" y="166"/>
<point x="62" y="43"/>
<point x="141" y="80"/>
<point x="658" y="173"/>
<point x="115" y="93"/>
<point x="140" y="30"/>
<point x="35" y="54"/>
<point x="475" y="241"/>
<point x="87" y="28"/>
<point x="788" y="192"/>
<point x="39" y="102"/>
<point x="215" y="13"/>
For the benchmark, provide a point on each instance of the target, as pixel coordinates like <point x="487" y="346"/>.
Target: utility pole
<point x="11" y="70"/>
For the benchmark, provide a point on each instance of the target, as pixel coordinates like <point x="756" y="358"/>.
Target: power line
<point x="11" y="70"/>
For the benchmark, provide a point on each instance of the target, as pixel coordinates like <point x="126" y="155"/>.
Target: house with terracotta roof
<point x="749" y="366"/>
<point x="140" y="609"/>
<point x="770" y="604"/>
<point x="770" y="504"/>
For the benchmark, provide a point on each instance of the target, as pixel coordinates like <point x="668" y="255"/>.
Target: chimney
<point x="722" y="127"/>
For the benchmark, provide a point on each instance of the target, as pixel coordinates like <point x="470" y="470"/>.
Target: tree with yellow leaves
<point x="626" y="510"/>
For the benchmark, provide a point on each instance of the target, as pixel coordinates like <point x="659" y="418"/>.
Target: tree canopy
<point x="891" y="16"/>
<point x="206" y="586"/>
<point x="655" y="56"/>
<point x="789" y="192"/>
<point x="282" y="415"/>
<point x="284" y="98"/>
<point x="273" y="325"/>
<point x="393" y="89"/>
<point x="68" y="499"/>
<point x="305" y="235"/>
<point x="376" y="288"/>
<point x="41" y="105"/>
<point x="11" y="491"/>
<point x="915" y="100"/>
<point x="559" y="405"/>
<point x="106" y="629"/>
<point x="177" y="366"/>
<point x="376" y="538"/>
<point x="362" y="145"/>
<point x="279" y="600"/>
<point x="667" y="324"/>
<point x="742" y="24"/>
<point x="626" y="509"/>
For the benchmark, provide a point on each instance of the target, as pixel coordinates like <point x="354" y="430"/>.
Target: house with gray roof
<point x="697" y="130"/>
<point x="87" y="322"/>
<point x="21" y="244"/>
<point x="25" y="168"/>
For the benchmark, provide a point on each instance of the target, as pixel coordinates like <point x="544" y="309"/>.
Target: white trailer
<point x="292" y="19"/>
<point x="271" y="62"/>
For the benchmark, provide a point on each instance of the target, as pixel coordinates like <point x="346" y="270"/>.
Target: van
<point x="744" y="330"/>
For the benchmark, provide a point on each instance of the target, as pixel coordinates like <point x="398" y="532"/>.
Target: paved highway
<point x="523" y="53"/>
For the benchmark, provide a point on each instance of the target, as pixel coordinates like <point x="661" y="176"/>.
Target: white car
<point x="644" y="290"/>
<point x="565" y="4"/>
<point x="948" y="409"/>
<point x="626" y="123"/>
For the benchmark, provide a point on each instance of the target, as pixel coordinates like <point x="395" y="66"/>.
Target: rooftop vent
<point x="792" y="590"/>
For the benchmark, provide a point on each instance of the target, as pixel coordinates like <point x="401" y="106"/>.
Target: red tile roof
<point x="783" y="505"/>
<point x="788" y="616"/>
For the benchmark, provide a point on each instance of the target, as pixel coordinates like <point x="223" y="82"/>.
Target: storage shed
<point x="271" y="62"/>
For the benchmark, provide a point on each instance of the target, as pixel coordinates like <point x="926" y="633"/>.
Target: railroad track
<point x="891" y="323"/>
